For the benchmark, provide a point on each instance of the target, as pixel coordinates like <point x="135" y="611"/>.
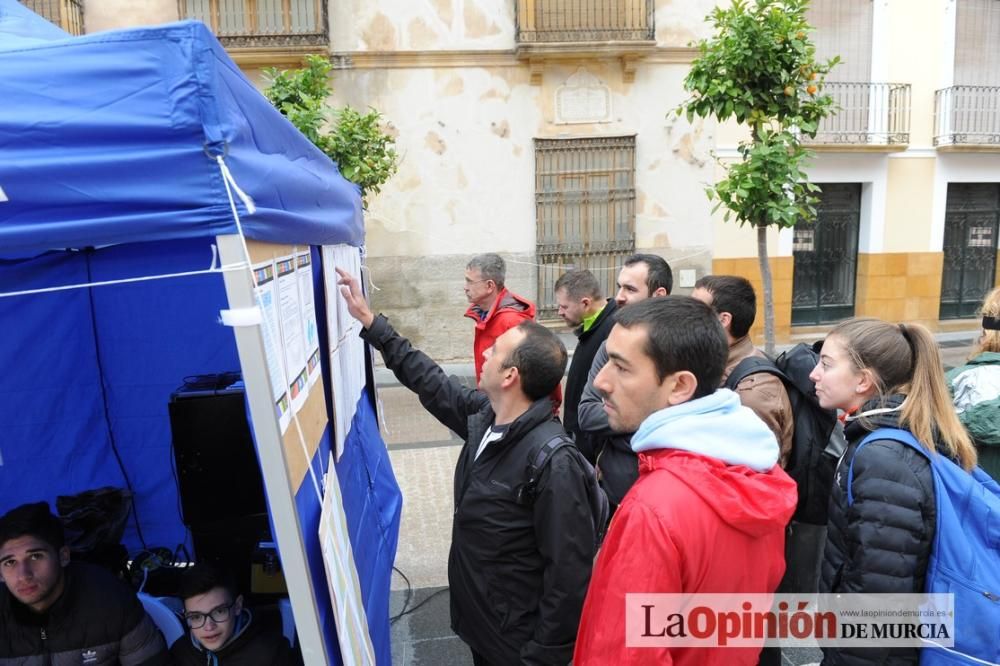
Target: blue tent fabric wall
<point x="121" y="140"/>
<point x="109" y="172"/>
<point x="89" y="372"/>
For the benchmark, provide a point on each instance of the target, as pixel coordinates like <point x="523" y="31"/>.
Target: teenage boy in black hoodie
<point x="222" y="631"/>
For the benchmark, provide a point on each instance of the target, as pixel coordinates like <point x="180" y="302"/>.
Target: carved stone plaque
<point x="583" y="98"/>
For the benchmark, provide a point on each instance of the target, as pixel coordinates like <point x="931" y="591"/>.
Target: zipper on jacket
<point x="45" y="645"/>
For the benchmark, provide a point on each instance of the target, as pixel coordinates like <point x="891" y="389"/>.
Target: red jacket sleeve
<point x="638" y="556"/>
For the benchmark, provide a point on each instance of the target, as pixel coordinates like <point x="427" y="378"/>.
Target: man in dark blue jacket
<point x="591" y="316"/>
<point x="54" y="612"/>
<point x="520" y="561"/>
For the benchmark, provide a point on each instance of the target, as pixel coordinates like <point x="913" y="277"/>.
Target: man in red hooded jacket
<point x="708" y="512"/>
<point x="495" y="309"/>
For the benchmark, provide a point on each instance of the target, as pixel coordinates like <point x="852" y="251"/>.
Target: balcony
<point x="871" y="117"/>
<point x="967" y="117"/>
<point x="282" y="25"/>
<point x="67" y="14"/>
<point x="573" y="29"/>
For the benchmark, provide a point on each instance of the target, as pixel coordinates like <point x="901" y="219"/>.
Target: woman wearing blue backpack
<point x="881" y="530"/>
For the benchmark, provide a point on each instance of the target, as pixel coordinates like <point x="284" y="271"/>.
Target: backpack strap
<point x="540" y="460"/>
<point x="752" y="365"/>
<point x="897" y="434"/>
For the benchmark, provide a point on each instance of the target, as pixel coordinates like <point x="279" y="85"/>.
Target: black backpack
<point x="600" y="509"/>
<point x="818" y="441"/>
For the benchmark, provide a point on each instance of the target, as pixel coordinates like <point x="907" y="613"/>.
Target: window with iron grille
<point x="67" y="14"/>
<point x="262" y="23"/>
<point x="584" y="210"/>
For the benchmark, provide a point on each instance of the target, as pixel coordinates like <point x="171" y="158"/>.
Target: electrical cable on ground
<point x="409" y="596"/>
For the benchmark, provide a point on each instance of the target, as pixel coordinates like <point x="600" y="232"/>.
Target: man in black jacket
<point x="583" y="307"/>
<point x="643" y="276"/>
<point x="520" y="562"/>
<point x="58" y="613"/>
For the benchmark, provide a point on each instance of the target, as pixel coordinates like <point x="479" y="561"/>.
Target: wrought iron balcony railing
<point x="262" y="23"/>
<point x="67" y="14"/>
<point x="967" y="115"/>
<point x="554" y="21"/>
<point x="868" y="114"/>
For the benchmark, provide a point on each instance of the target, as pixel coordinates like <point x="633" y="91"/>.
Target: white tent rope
<point x="230" y="182"/>
<point x="213" y="269"/>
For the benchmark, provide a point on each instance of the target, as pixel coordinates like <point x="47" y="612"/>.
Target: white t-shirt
<point x="493" y="434"/>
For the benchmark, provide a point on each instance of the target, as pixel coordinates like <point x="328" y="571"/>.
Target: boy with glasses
<point x="222" y="631"/>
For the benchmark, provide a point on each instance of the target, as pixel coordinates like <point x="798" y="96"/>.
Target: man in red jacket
<point x="708" y="512"/>
<point x="495" y="309"/>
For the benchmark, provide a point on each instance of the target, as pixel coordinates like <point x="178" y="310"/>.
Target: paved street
<point x="423" y="455"/>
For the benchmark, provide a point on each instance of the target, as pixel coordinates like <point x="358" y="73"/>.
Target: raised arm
<point x="445" y="397"/>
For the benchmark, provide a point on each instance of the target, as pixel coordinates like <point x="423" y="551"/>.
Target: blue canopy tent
<point x="111" y="172"/>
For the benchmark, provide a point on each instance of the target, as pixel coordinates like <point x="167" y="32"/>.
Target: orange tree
<point x="759" y="67"/>
<point x="356" y="141"/>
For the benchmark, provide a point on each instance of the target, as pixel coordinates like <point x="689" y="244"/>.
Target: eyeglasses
<point x="219" y="614"/>
<point x="469" y="283"/>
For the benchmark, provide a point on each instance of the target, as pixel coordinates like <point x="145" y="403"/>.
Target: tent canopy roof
<point x="113" y="138"/>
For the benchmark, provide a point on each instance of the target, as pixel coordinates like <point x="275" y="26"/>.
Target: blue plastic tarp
<point x="109" y="172"/>
<point x="117" y="134"/>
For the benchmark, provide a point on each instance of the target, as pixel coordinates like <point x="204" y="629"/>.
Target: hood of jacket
<point x="506" y="301"/>
<point x="874" y="414"/>
<point x="724" y="454"/>
<point x="976" y="382"/>
<point x="717" y="426"/>
<point x="754" y="503"/>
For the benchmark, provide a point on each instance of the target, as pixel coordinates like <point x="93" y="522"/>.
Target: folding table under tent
<point x="133" y="155"/>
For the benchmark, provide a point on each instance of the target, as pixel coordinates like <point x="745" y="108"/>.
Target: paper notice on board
<point x="342" y="577"/>
<point x="333" y="296"/>
<point x="292" y="332"/>
<point x="267" y="301"/>
<point x="310" y="330"/>
<point x="347" y="350"/>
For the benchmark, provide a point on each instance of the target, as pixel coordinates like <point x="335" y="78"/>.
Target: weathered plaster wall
<point x="418" y="25"/>
<point x="101" y="15"/>
<point x="422" y="25"/>
<point x="466" y="183"/>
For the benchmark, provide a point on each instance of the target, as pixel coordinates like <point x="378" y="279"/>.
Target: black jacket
<point x="588" y="343"/>
<point x="518" y="571"/>
<point x="97" y="621"/>
<point x="259" y="643"/>
<point x="882" y="543"/>
<point x="616" y="462"/>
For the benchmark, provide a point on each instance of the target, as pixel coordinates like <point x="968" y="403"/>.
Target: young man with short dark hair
<point x="641" y="277"/>
<point x="54" y="611"/>
<point x="222" y="631"/>
<point x="734" y="300"/>
<point x="708" y="512"/>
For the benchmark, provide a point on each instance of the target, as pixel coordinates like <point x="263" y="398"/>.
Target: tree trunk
<point x="765" y="276"/>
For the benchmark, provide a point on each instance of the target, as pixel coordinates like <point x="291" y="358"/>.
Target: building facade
<point x="542" y="130"/>
<point x="909" y="170"/>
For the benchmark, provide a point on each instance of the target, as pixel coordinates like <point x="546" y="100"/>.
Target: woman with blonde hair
<point x="975" y="388"/>
<point x="884" y="375"/>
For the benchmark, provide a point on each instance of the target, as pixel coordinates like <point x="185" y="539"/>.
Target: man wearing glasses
<point x="222" y="631"/>
<point x="495" y="309"/>
<point x="492" y="306"/>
